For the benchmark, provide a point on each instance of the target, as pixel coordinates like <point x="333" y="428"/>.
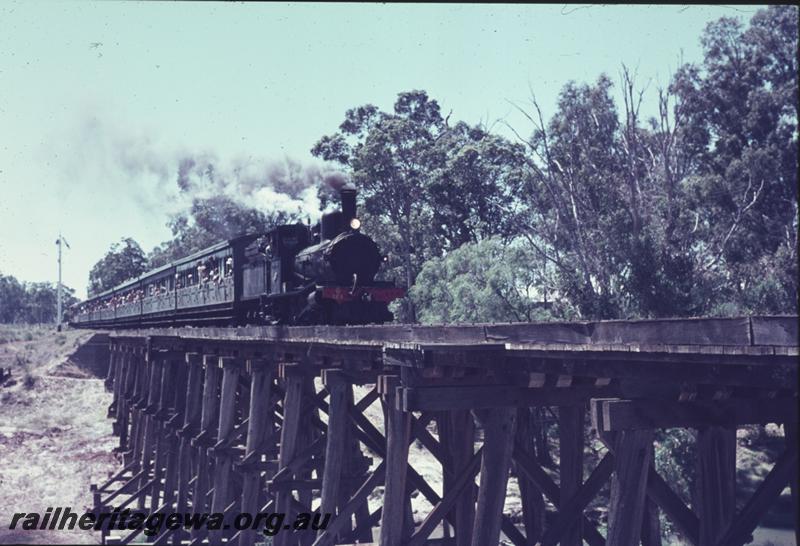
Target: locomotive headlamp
<point x="355" y="223"/>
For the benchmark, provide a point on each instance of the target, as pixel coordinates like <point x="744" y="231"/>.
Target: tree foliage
<point x="432" y="186"/>
<point x="742" y="187"/>
<point x="124" y="260"/>
<point x="30" y="303"/>
<point x="209" y="221"/>
<point x="691" y="213"/>
<point x="205" y="222"/>
<point x="488" y="281"/>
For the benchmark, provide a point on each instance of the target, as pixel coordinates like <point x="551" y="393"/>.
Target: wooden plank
<point x="657" y="489"/>
<point x="533" y="507"/>
<point x="398" y="430"/>
<point x="708" y="331"/>
<point x="208" y="415"/>
<point x="191" y="424"/>
<point x="716" y="481"/>
<point x="646" y="414"/>
<point x="499" y="426"/>
<point x="462" y="356"/>
<point x="570" y="441"/>
<point x="359" y="498"/>
<point x="367" y="400"/>
<point x="651" y="526"/>
<point x="534" y="472"/>
<point x="460" y="376"/>
<point x="336" y="436"/>
<point x="353" y="353"/>
<point x="127" y="487"/>
<point x="574" y="332"/>
<point x="777" y="331"/>
<point x="150" y="437"/>
<point x="184" y="477"/>
<point x="790" y="434"/>
<point x="259" y="423"/>
<point x="687" y="332"/>
<point x="463" y="481"/>
<point x="356" y="465"/>
<point x="366" y="526"/>
<point x="181" y="380"/>
<point x="209" y="407"/>
<point x="702" y="331"/>
<point x="201" y="489"/>
<point x="161" y="406"/>
<point x="231" y="368"/>
<point x="302" y="457"/>
<point x="289" y="441"/>
<point x="374" y="441"/>
<point x="113" y="378"/>
<point x="573" y="509"/>
<point x="628" y="487"/>
<point x="422" y="356"/>
<point x="118" y="476"/>
<point x="696" y="355"/>
<point x="294" y="485"/>
<point x="124" y="394"/>
<point x="738" y="370"/>
<point x="258" y="428"/>
<point x="171" y="471"/>
<point x="684" y="519"/>
<point x="746" y="521"/>
<point x="496" y="396"/>
<point x="392" y="332"/>
<point x="461" y="443"/>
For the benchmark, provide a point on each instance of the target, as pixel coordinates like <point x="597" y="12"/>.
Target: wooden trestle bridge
<point x="249" y="420"/>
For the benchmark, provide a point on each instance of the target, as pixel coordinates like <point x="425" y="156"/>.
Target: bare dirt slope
<point x="54" y="436"/>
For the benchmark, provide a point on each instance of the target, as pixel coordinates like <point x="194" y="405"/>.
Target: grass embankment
<point x="54" y="436"/>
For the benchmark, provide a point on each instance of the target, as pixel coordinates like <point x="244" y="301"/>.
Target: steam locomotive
<point x="293" y="274"/>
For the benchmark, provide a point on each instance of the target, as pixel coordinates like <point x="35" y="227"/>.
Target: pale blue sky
<point x="99" y="100"/>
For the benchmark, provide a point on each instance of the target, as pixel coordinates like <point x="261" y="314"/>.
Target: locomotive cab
<point x="269" y="260"/>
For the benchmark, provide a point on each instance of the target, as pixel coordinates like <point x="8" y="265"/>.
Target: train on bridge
<point x="294" y="274"/>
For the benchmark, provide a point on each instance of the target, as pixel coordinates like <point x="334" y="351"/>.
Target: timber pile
<point x="231" y="421"/>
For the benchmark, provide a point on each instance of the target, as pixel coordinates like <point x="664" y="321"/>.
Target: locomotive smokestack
<point x="348" y="195"/>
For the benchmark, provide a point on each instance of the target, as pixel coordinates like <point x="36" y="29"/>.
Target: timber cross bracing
<point x="273" y="419"/>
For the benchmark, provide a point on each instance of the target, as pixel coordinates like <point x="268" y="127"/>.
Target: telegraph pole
<point x="58" y="312"/>
<point x="61" y="241"/>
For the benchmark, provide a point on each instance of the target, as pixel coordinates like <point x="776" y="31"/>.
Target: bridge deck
<point x="230" y="418"/>
<point x="670" y="335"/>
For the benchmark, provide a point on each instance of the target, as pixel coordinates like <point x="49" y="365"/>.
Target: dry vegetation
<point x="54" y="437"/>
